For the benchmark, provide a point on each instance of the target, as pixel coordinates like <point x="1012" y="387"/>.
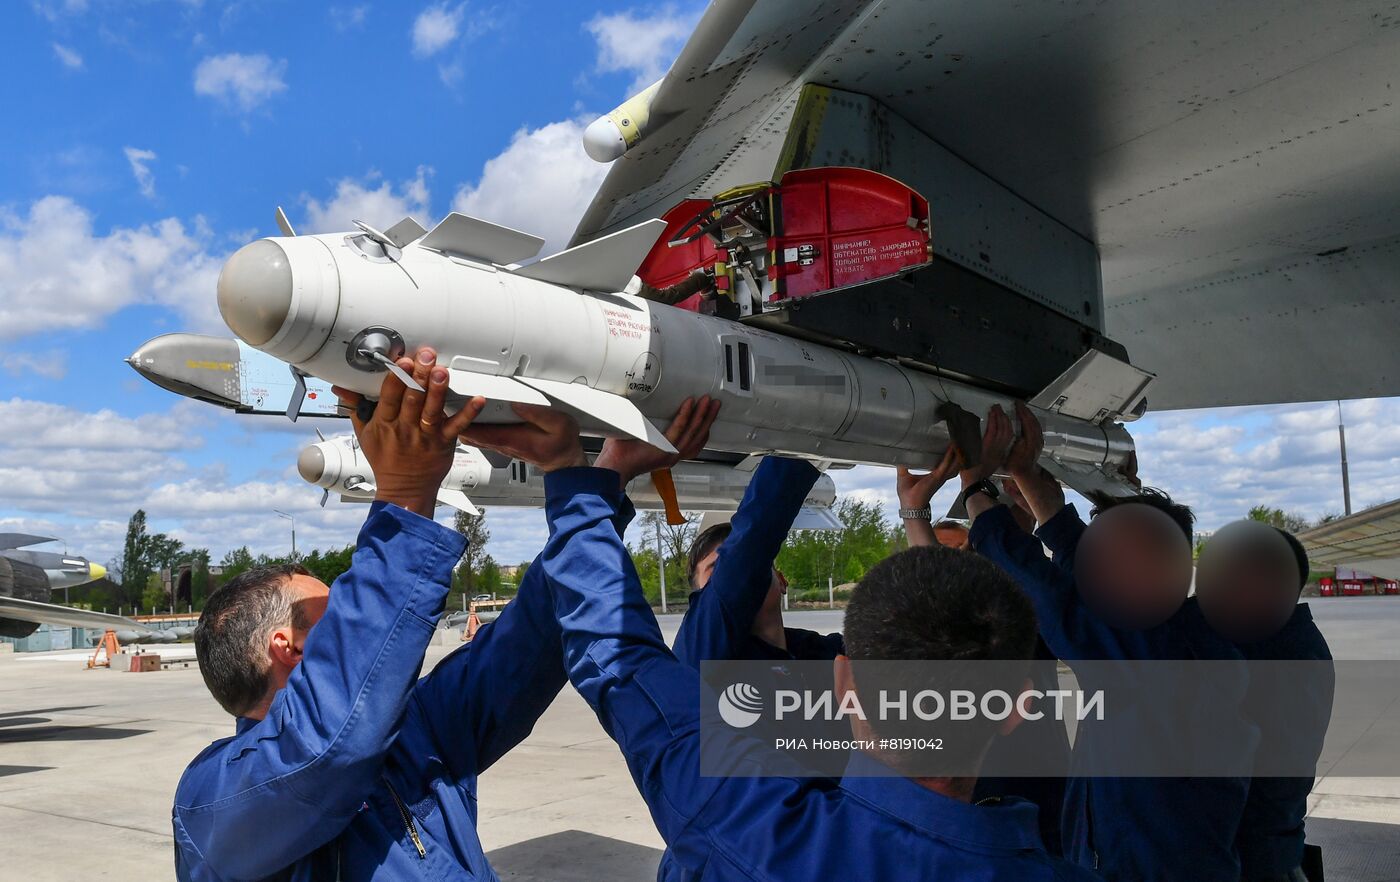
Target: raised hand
<point x="548" y="439"/>
<point x="408" y="440"/>
<point x="915" y="491"/>
<point x="688" y="432"/>
<point x="1023" y="459"/>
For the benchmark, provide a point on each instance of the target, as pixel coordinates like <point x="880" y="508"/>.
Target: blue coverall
<point x="358" y="763"/>
<point x="1292" y="708"/>
<point x="770" y="828"/>
<point x="1135" y="829"/>
<point x="719" y="626"/>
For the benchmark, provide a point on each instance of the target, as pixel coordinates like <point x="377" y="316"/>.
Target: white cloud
<point x="349" y="18"/>
<point x="56" y="272"/>
<point x="644" y="44"/>
<point x="145" y="178"/>
<point x="69" y="58"/>
<point x="51" y="366"/>
<point x="379" y="206"/>
<point x="240" y="81"/>
<point x="436" y="27"/>
<point x="541" y="183"/>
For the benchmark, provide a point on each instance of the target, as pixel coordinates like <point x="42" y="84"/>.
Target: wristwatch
<point x="982" y="486"/>
<point x="916" y="514"/>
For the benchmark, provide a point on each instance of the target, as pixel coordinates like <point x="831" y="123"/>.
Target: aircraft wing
<point x="1368" y="540"/>
<point x="47" y="613"/>
<point x="22" y="540"/>
<point x="1233" y="165"/>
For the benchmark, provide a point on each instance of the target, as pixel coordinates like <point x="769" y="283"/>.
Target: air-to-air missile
<point x="561" y="332"/>
<point x="337" y="466"/>
<point x="231" y="374"/>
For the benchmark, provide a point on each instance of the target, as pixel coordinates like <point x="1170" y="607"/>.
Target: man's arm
<point x="915" y="493"/>
<point x="292" y="781"/>
<point x="722" y="614"/>
<point x="295" y="779"/>
<point x="485" y="697"/>
<point x="645" y="698"/>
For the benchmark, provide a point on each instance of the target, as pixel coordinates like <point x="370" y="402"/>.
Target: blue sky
<point x="145" y="141"/>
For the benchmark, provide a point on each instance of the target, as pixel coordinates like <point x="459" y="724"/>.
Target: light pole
<point x="283" y="514"/>
<point x="1346" y="479"/>
<point x="661" y="559"/>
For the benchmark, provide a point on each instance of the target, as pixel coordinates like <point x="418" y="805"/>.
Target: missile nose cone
<point x="311" y="464"/>
<point x="255" y="291"/>
<point x="96" y="571"/>
<point x="602" y="140"/>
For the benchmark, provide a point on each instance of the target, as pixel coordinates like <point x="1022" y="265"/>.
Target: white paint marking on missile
<point x="613" y="410"/>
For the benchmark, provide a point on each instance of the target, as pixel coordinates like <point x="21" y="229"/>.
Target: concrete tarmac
<point x="89" y="761"/>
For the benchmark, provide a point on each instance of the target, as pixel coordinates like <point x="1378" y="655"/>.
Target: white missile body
<point x="337" y="465"/>
<point x="331" y="304"/>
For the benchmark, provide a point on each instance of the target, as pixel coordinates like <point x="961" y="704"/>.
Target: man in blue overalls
<point x="874" y="823"/>
<point x="1127" y="828"/>
<point x="345" y="765"/>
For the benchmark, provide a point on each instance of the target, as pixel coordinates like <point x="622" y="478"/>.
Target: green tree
<point x="811" y="557"/>
<point x="199" y="576"/>
<point x="1291" y="521"/>
<point x="328" y="565"/>
<point x="153" y="596"/>
<point x="473" y="529"/>
<point x="488" y="578"/>
<point x="134" y="566"/>
<point x="237" y="560"/>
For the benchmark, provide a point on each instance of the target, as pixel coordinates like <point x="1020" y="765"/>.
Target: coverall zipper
<point x="407" y="821"/>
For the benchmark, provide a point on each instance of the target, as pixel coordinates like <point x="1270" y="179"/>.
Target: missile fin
<point x="817" y="517"/>
<point x="458" y="500"/>
<point x="605" y="264"/>
<point x="474" y="239"/>
<point x="405" y="232"/>
<point x="605" y="407"/>
<point x="283" y="224"/>
<point x="492" y="387"/>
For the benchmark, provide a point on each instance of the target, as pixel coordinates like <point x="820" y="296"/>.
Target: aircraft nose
<point x="255" y="291"/>
<point x="311" y="464"/>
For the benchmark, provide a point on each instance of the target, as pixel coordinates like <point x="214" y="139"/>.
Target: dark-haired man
<point x="1135" y="829"/>
<point x="345" y="765"/>
<point x="873" y="824"/>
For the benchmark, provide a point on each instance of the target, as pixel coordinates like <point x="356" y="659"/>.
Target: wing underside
<point x="17" y="609"/>
<point x="1233" y="165"/>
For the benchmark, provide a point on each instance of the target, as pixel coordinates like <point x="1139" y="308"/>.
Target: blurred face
<point x="1247" y="581"/>
<point x="1133" y="566"/>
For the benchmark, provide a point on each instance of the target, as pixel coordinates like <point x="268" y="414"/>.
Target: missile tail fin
<point x="605" y="407"/>
<point x="491" y="386"/>
<point x="605" y="264"/>
<point x="817" y="517"/>
<point x="458" y="500"/>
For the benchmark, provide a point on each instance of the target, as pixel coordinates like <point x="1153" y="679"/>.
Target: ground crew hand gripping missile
<point x="744" y="827"/>
<point x="1164" y="829"/>
<point x="332" y="774"/>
